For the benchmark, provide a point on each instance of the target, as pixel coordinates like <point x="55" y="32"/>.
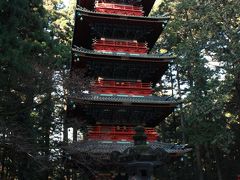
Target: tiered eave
<point x="115" y="26"/>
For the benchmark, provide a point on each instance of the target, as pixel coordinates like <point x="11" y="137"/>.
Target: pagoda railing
<point x="162" y="18"/>
<point x="111" y="45"/>
<point x="114" y="87"/>
<point x="112" y="8"/>
<point x="113" y="83"/>
<point x="117" y="133"/>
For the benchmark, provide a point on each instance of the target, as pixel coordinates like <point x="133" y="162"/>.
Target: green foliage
<point x="205" y="37"/>
<point x="32" y="48"/>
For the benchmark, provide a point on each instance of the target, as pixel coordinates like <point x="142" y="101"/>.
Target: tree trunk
<point x="3" y="163"/>
<point x="181" y="107"/>
<point x="3" y="156"/>
<point x="65" y="132"/>
<point x="208" y="159"/>
<point x="216" y="157"/>
<point x="75" y="134"/>
<point x="199" y="163"/>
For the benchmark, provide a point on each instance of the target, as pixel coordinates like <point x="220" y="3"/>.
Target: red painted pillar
<point x="238" y="177"/>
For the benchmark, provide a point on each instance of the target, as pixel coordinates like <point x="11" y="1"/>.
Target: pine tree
<point x="26" y="80"/>
<point x="205" y="37"/>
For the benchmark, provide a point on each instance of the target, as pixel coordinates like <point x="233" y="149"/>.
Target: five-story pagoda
<point x="111" y="44"/>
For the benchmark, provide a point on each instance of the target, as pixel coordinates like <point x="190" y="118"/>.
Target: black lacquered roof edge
<point x="160" y="57"/>
<point x="93" y="146"/>
<point x="125" y="99"/>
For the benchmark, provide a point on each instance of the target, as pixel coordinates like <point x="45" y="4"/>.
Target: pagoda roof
<point x="115" y="26"/>
<point x="109" y="65"/>
<point x="147" y="4"/>
<point x="120" y="109"/>
<point x="162" y="58"/>
<point x="106" y="147"/>
<point x="147" y="100"/>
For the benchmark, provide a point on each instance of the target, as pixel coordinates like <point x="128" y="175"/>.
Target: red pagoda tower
<point x="118" y="112"/>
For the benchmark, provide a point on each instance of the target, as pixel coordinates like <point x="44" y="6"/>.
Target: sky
<point x="66" y="2"/>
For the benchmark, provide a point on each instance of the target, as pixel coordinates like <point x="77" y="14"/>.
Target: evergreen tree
<point x="27" y="59"/>
<point x="205" y="37"/>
